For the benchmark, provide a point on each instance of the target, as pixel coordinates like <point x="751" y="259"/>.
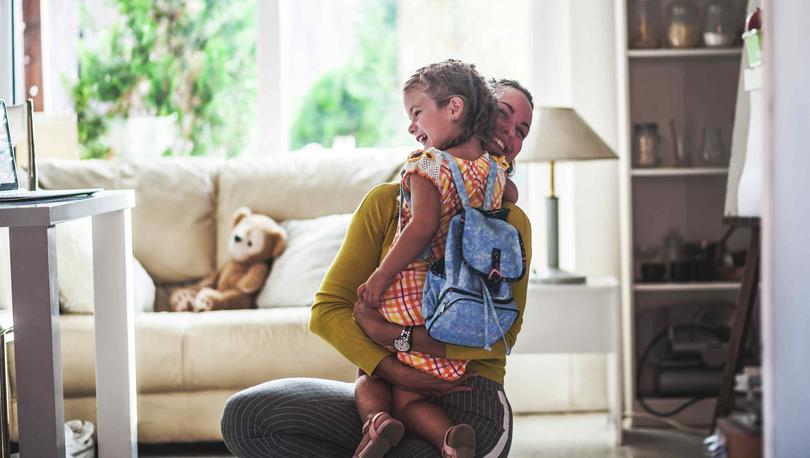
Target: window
<point x="219" y="77"/>
<point x="346" y="61"/>
<point x="174" y="78"/>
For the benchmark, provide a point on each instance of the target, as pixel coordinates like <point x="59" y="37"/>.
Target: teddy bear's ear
<point x="239" y="215"/>
<point x="279" y="242"/>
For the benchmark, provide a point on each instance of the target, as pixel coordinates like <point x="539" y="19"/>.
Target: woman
<point x="312" y="417"/>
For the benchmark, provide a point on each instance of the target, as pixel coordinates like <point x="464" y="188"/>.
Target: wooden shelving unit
<point x="686" y="287"/>
<point x="694" y="89"/>
<point x="679" y="171"/>
<point x="695" y="53"/>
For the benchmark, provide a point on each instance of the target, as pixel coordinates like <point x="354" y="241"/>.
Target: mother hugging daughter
<point x="414" y="396"/>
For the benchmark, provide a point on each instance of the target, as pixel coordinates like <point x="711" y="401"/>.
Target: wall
<point x="574" y="64"/>
<point x="573" y="49"/>
<point x="786" y="291"/>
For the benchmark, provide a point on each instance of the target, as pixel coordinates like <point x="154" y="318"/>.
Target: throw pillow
<point x="74" y="267"/>
<point x="296" y="275"/>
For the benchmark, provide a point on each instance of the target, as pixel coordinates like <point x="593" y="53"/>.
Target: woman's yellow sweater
<point x="367" y="241"/>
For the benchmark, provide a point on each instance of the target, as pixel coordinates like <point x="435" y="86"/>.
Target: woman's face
<point x="512" y="126"/>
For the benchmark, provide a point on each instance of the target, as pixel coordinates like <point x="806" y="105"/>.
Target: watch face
<point x="402" y="344"/>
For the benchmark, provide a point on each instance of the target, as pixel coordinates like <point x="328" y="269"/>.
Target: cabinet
<point x="684" y="92"/>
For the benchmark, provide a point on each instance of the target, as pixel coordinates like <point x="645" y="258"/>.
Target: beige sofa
<point x="189" y="364"/>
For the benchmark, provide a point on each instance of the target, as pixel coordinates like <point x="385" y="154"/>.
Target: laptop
<point x="9" y="185"/>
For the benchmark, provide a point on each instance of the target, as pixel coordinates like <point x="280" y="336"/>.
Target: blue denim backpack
<point x="467" y="297"/>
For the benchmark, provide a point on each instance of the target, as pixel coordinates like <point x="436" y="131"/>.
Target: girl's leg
<point x="372" y="395"/>
<point x="421" y="417"/>
<point x="292" y="418"/>
<point x="485" y="408"/>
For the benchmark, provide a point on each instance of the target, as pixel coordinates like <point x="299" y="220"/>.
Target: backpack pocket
<point x="491" y="246"/>
<point x="464" y="318"/>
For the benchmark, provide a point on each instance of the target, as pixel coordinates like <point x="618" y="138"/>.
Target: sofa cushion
<point x="159" y="351"/>
<point x="296" y="276"/>
<point x="173" y="229"/>
<point x="301" y="185"/>
<point x="228" y="349"/>
<point x="241" y="348"/>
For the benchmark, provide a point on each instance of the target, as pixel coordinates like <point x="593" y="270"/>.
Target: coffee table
<point x="35" y="304"/>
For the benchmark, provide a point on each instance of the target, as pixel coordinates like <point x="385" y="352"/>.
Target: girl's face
<point x="513" y="123"/>
<point x="512" y="126"/>
<point x="430" y="125"/>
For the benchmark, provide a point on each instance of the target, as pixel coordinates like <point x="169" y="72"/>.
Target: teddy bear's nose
<point x="237" y="239"/>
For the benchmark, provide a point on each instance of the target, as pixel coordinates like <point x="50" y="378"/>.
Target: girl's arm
<point x="415" y="237"/>
<point x="510" y="191"/>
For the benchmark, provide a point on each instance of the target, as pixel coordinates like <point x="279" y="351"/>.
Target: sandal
<point x="459" y="442"/>
<point x="380" y="434"/>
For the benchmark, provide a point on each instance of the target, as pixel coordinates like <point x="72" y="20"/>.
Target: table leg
<point x="35" y="299"/>
<point x="116" y="396"/>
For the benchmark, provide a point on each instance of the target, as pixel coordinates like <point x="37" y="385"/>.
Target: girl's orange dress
<point x="402" y="302"/>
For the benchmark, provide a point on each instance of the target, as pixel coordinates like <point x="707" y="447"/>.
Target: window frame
<point x="11" y="52"/>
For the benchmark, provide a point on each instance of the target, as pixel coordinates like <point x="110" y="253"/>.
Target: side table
<point x="35" y="304"/>
<point x="578" y="319"/>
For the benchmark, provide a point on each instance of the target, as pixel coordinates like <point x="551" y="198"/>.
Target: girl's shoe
<point x="459" y="442"/>
<point x="380" y="434"/>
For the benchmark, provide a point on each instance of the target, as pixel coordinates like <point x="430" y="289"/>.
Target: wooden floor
<point x="553" y="436"/>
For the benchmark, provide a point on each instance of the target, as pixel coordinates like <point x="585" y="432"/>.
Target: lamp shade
<point x="562" y="135"/>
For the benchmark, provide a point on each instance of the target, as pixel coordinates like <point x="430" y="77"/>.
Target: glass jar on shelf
<point x="672" y="255"/>
<point x="712" y="148"/>
<point x="718" y="24"/>
<point x="645" y="25"/>
<point x="683" y="24"/>
<point x="646" y="144"/>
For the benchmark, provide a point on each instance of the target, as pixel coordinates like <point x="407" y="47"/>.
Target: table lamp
<point x="561" y="135"/>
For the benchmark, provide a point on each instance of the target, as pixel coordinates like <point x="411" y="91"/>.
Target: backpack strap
<point x="462" y="190"/>
<point x="489" y="310"/>
<point x="493" y="175"/>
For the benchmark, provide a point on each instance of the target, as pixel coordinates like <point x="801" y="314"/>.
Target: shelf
<point x="683" y="53"/>
<point x="696" y="415"/>
<point x="679" y="171"/>
<point x="685" y="287"/>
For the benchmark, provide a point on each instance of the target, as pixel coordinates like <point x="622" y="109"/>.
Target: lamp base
<point x="554" y="276"/>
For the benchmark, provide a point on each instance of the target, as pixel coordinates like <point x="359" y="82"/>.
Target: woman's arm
<point x="332" y="315"/>
<point x="510" y="192"/>
<point x="414" y="380"/>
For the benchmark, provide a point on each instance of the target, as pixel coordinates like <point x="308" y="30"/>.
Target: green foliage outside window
<point x="194" y="58"/>
<point x="361" y="98"/>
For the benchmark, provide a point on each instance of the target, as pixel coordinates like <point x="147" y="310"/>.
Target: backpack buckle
<point x="494" y="272"/>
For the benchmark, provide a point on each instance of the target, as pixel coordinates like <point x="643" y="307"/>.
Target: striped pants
<point x="301" y="417"/>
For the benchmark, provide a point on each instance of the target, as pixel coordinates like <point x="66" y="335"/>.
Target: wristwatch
<point x="404" y="341"/>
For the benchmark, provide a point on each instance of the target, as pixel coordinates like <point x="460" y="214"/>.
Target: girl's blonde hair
<point x="454" y="78"/>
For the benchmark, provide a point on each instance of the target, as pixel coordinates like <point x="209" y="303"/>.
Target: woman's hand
<point x="419" y="382"/>
<point x="374" y="325"/>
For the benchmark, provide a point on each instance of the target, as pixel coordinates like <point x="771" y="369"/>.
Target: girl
<point x="455" y="108"/>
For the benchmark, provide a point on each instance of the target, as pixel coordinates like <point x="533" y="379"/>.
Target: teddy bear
<point x="254" y="242"/>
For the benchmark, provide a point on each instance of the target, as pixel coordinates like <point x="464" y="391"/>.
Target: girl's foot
<point x="380" y="434"/>
<point x="459" y="442"/>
